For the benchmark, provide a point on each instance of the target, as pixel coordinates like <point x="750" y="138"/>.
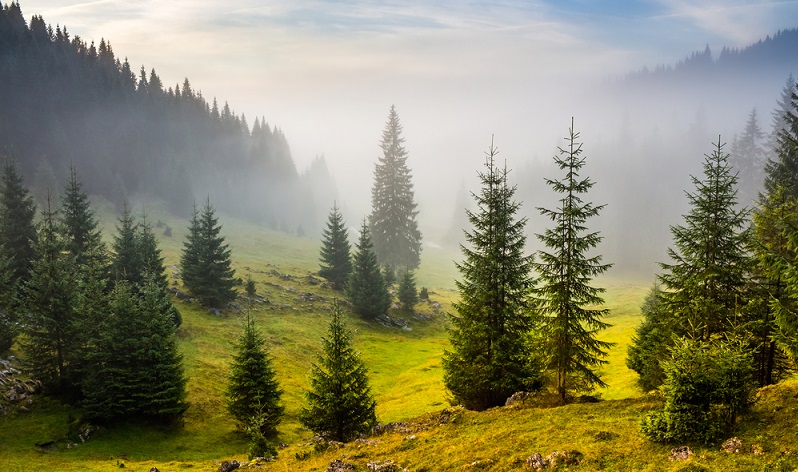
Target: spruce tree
<point x="136" y="369"/>
<point x="488" y="360"/>
<point x="407" y="293"/>
<point x="126" y="263"/>
<point x="205" y="261"/>
<point x="396" y="237"/>
<point x="782" y="170"/>
<point x="336" y="262"/>
<point x="253" y="394"/>
<point x="80" y="224"/>
<point x="705" y="282"/>
<point x="748" y="158"/>
<point x="51" y="338"/>
<point x="651" y="342"/>
<point x="340" y="405"/>
<point x="7" y="293"/>
<point x="17" y="229"/>
<point x="565" y="298"/>
<point x="366" y="288"/>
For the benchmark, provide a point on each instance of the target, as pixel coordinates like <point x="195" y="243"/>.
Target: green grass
<point x="405" y="374"/>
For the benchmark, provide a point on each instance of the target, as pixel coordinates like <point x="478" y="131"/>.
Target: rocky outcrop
<point x="16" y="390"/>
<point x="681" y="453"/>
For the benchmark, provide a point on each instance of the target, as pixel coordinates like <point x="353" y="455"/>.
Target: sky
<point x="460" y="73"/>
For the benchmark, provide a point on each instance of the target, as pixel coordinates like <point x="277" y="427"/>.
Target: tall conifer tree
<point x="336" y="262"/>
<point x="80" y="224"/>
<point x="569" y="326"/>
<point x="366" y="288"/>
<point x="51" y="336"/>
<point x="126" y="263"/>
<point x="17" y="229"/>
<point x="205" y="260"/>
<point x="706" y="280"/>
<point x="253" y="394"/>
<point x="340" y="405"/>
<point x="137" y="370"/>
<point x="488" y="359"/>
<point x="396" y="237"/>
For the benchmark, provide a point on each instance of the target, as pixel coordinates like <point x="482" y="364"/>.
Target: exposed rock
<point x="309" y="297"/>
<point x="384" y="466"/>
<point x="561" y="458"/>
<point x="380" y="429"/>
<point x="313" y="280"/>
<point x="732" y="446"/>
<point x="518" y="398"/>
<point x="339" y="466"/>
<point x="757" y="450"/>
<point x="536" y="461"/>
<point x="229" y="466"/>
<point x="214" y="311"/>
<point x="681" y="453"/>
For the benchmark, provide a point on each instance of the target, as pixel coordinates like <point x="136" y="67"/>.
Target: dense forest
<point x="68" y="102"/>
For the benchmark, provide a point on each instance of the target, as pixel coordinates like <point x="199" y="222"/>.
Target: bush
<point x="706" y="386"/>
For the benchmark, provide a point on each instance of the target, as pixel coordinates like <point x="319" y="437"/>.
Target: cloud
<point x="738" y="23"/>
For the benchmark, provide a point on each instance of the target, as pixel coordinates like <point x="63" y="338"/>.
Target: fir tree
<point x="80" y="224"/>
<point x="748" y="158"/>
<point x="396" y="237"/>
<point x="569" y="326"/>
<point x="782" y="171"/>
<point x="340" y="405"/>
<point x="253" y="394"/>
<point x="488" y="359"/>
<point x="774" y="221"/>
<point x="51" y="337"/>
<point x="205" y="261"/>
<point x="366" y="288"/>
<point x="705" y="282"/>
<point x="136" y="369"/>
<point x="651" y="342"/>
<point x="407" y="293"/>
<point x="336" y="262"/>
<point x="7" y="293"/>
<point x="126" y="263"/>
<point x="17" y="229"/>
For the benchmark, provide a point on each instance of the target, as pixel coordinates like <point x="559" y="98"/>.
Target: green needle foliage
<point x="136" y="369"/>
<point x="126" y="263"/>
<point x="17" y="229"/>
<point x="51" y="338"/>
<point x="366" y="288"/>
<point x="397" y="239"/>
<point x="488" y="360"/>
<point x="340" y="405"/>
<point x="706" y="281"/>
<point x="7" y="328"/>
<point x="80" y="224"/>
<point x="336" y="263"/>
<point x="205" y="260"/>
<point x="253" y="394"/>
<point x="407" y="293"/>
<point x="569" y="328"/>
<point x="707" y="385"/>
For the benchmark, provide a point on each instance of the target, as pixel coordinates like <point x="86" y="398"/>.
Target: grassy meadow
<point x="405" y="374"/>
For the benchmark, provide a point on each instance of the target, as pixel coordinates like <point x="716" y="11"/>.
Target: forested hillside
<point x="68" y="101"/>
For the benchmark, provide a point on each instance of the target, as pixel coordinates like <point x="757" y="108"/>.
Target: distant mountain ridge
<point x="777" y="53"/>
<point x="66" y="102"/>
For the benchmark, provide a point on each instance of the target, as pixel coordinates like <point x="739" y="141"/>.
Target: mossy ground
<point x="405" y="374"/>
